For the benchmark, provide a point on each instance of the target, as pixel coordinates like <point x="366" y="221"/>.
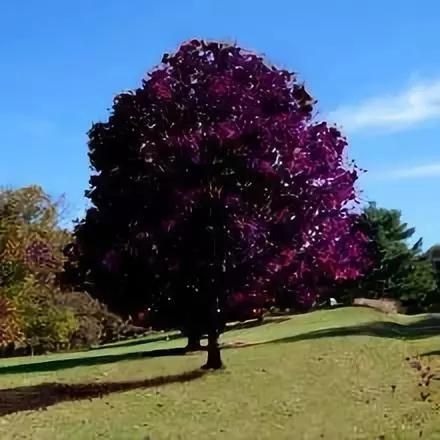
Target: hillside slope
<point x="343" y="374"/>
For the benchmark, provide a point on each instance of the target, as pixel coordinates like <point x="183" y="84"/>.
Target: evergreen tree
<point x="399" y="270"/>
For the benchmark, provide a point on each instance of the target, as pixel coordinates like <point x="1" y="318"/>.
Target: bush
<point x="51" y="330"/>
<point x="87" y="334"/>
<point x="96" y="324"/>
<point x="46" y="325"/>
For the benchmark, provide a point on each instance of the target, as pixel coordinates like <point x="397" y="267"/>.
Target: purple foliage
<point x="215" y="179"/>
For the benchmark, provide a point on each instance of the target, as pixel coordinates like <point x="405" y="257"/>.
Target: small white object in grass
<point x="167" y="338"/>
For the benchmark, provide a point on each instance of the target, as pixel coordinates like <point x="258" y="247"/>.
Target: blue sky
<point x="373" y="66"/>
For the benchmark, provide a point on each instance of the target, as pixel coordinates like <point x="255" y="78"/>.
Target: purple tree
<point x="212" y="178"/>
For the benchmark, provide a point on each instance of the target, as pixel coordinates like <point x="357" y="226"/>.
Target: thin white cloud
<point x="418" y="103"/>
<point x="415" y="172"/>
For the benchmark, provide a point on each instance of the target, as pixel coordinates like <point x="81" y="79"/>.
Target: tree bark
<point x="214" y="361"/>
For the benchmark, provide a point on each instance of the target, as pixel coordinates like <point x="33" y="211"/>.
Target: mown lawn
<point x="342" y="374"/>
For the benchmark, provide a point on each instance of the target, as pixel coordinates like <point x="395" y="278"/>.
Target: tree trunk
<point x="214" y="361"/>
<point x="193" y="342"/>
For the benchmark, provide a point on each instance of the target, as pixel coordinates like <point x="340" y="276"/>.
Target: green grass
<point x="339" y="374"/>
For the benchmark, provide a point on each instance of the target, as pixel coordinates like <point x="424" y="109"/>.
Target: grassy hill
<point x="345" y="374"/>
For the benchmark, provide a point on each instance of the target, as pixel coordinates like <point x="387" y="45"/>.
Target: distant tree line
<point x="36" y="314"/>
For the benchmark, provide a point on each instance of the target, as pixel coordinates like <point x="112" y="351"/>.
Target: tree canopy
<point x="213" y="178"/>
<point x="31" y="254"/>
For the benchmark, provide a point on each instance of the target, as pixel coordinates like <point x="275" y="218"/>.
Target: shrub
<point x="96" y="324"/>
<point x="46" y="326"/>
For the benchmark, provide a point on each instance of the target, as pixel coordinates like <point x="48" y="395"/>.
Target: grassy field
<point x="344" y="374"/>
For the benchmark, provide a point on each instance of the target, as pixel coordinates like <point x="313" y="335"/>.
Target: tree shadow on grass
<point x="86" y="361"/>
<point x="41" y="396"/>
<point x="60" y="364"/>
<point x="139" y="341"/>
<point x="423" y="328"/>
<point x="431" y="353"/>
<point x="163" y="338"/>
